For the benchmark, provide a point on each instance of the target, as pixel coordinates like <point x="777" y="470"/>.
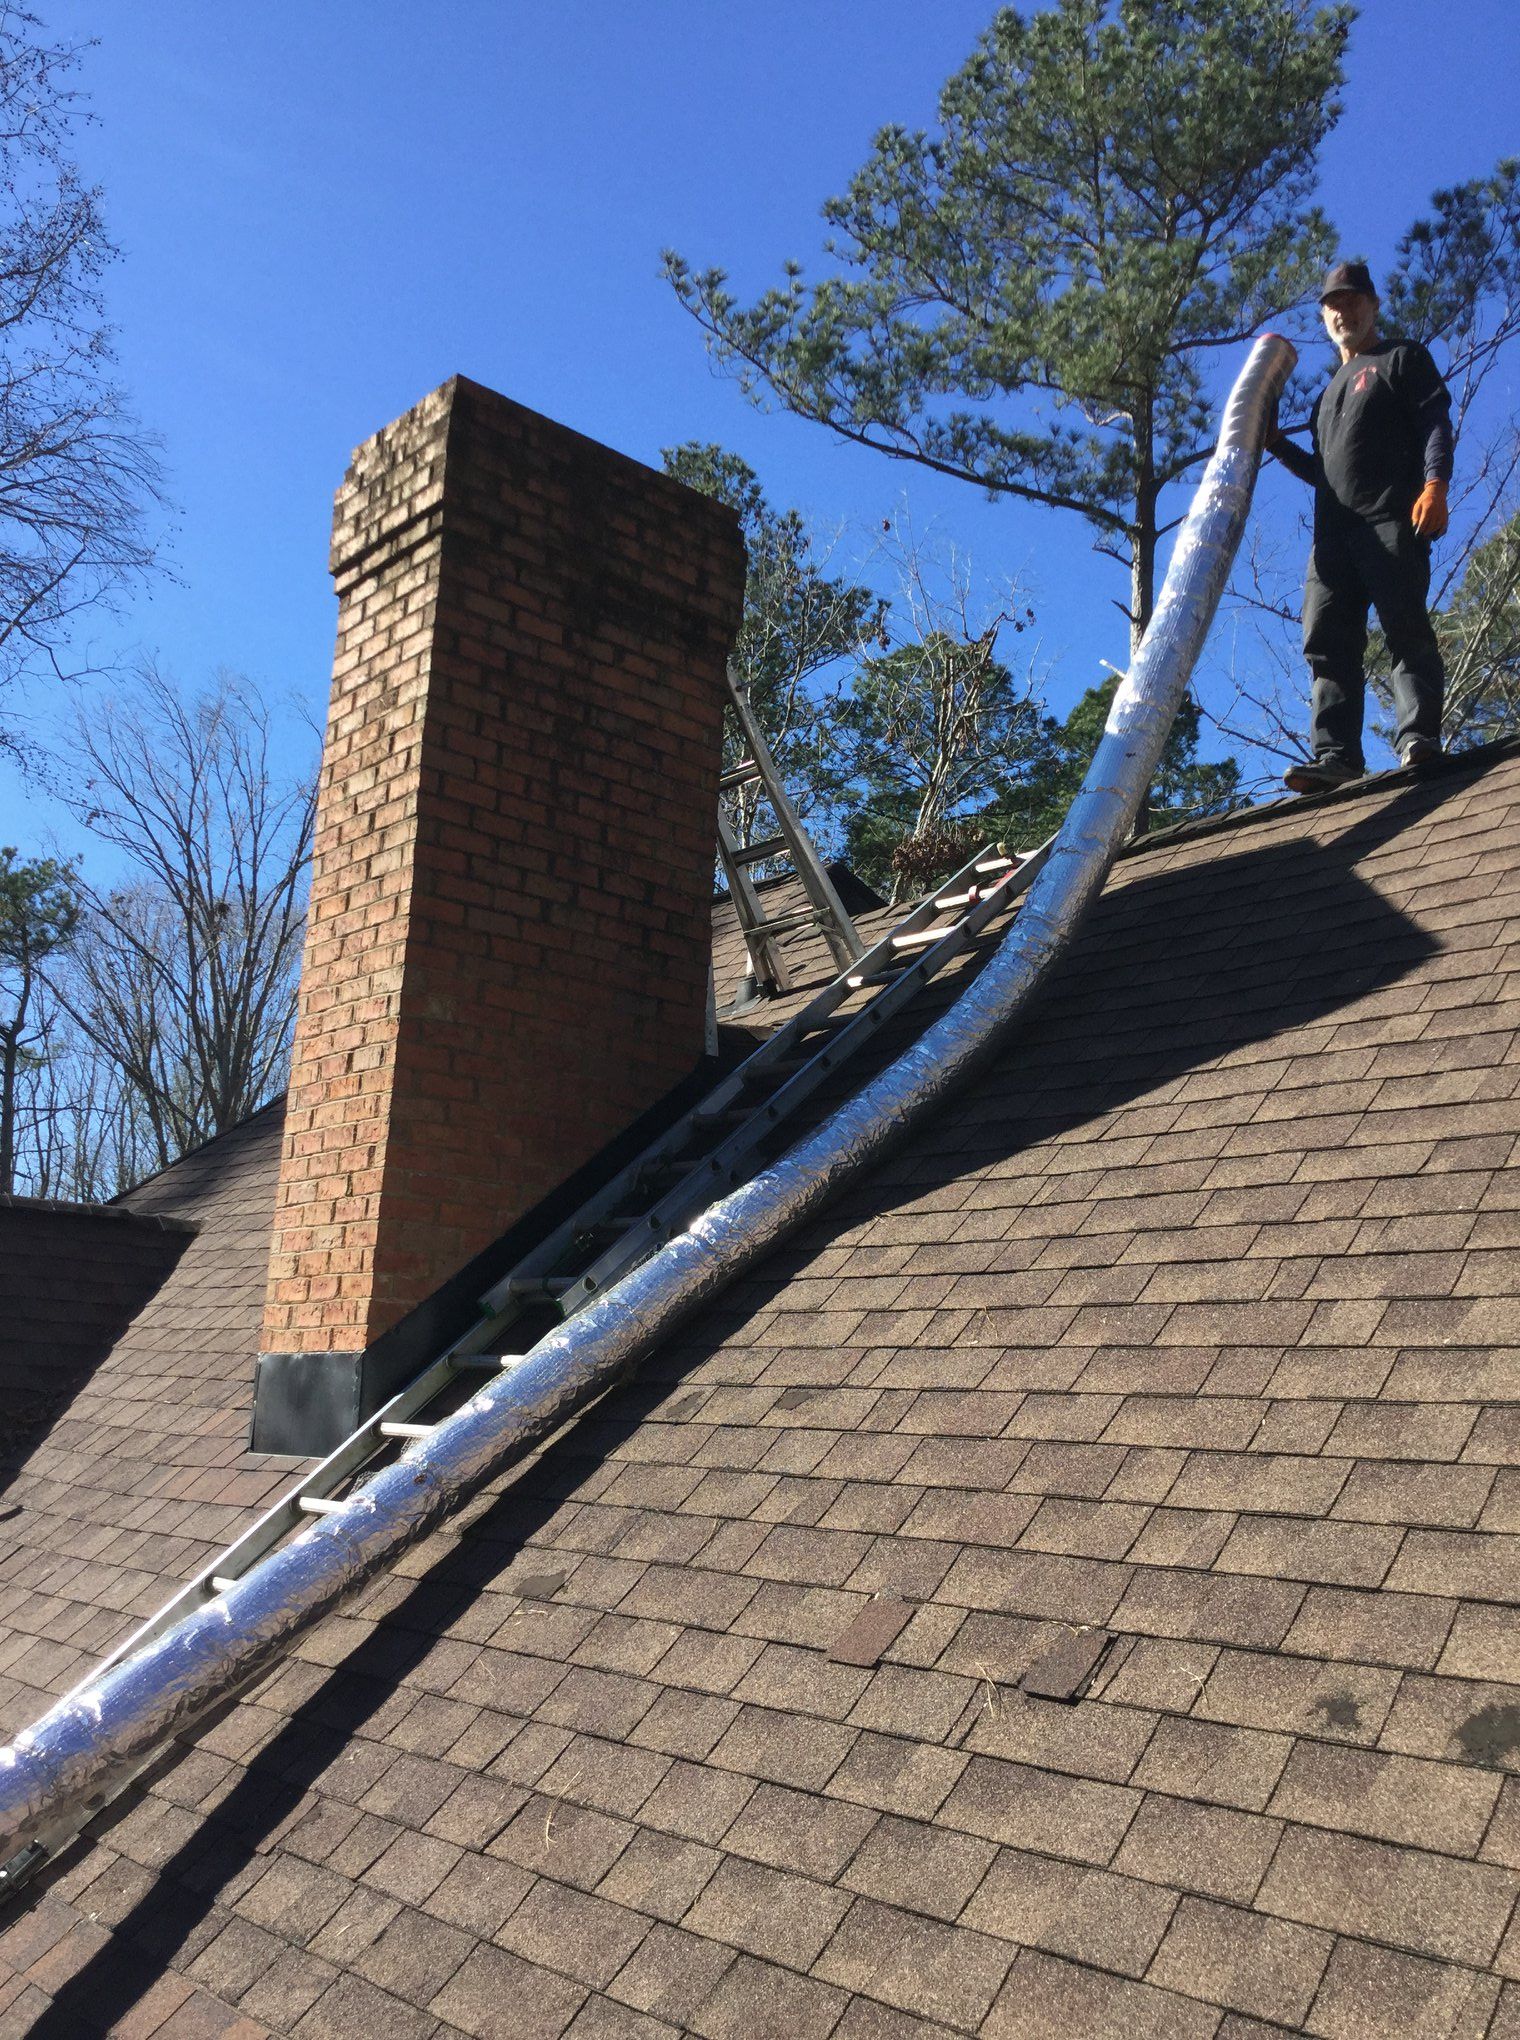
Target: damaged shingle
<point x="875" y="1629"/>
<point x="1066" y="1672"/>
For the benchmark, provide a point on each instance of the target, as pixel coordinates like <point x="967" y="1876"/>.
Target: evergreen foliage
<point x="1028" y="298"/>
<point x="1456" y="278"/>
<point x="1478" y="631"/>
<point x="1027" y="787"/>
<point x="798" y="620"/>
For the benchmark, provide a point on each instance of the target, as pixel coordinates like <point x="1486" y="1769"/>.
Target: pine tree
<point x="798" y="621"/>
<point x="1029" y="298"/>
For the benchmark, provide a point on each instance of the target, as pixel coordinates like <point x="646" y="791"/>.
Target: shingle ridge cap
<point x="274" y="1104"/>
<point x="116" y="1213"/>
<point x="1453" y="765"/>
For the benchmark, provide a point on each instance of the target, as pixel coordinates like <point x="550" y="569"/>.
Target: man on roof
<point x="1379" y="466"/>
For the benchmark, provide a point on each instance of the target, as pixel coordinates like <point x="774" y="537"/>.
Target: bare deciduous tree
<point x="799" y="621"/>
<point x="80" y="1132"/>
<point x="933" y="723"/>
<point x="183" y="976"/>
<point x="76" y="471"/>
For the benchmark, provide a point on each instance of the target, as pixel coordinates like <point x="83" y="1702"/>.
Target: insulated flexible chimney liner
<point x="82" y="1752"/>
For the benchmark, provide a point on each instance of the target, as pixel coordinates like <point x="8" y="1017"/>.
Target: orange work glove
<point x="1429" y="513"/>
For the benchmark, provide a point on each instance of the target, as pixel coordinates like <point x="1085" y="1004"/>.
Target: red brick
<point x="442" y="798"/>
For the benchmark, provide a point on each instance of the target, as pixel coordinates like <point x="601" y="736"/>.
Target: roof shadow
<point x="150" y="1932"/>
<point x="72" y="1279"/>
<point x="1172" y="973"/>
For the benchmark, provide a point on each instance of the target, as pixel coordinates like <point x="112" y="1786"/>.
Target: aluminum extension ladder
<point x="717" y="1145"/>
<point x="768" y="971"/>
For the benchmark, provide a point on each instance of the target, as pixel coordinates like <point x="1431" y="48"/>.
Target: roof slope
<point x="145" y="1474"/>
<point x="72" y="1278"/>
<point x="1198" y="1320"/>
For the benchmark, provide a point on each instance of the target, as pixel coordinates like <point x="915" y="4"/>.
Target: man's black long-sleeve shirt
<point x="1381" y="430"/>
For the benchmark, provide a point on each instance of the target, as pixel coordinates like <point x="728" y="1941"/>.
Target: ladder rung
<point x="731" y="1115"/>
<point x="739" y="775"/>
<point x="539" y="1288"/>
<point x="922" y="938"/>
<point x="756" y="853"/>
<point x="1000" y="863"/>
<point x="772" y="1072"/>
<point x="641" y="1221"/>
<point x="805" y="917"/>
<point x="407" y="1430"/>
<point x="960" y="899"/>
<point x="319" y="1505"/>
<point x="887" y="974"/>
<point x="670" y="1168"/>
<point x="220" y="1583"/>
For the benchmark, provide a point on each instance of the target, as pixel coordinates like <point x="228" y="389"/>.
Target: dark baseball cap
<point x="1348" y="276"/>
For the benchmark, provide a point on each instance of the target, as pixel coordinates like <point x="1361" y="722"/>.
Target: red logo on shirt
<point x="1364" y="381"/>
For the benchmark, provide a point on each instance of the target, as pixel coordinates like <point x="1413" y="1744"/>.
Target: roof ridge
<point x="66" y="1207"/>
<point x="1454" y="765"/>
<point x="225" y="1133"/>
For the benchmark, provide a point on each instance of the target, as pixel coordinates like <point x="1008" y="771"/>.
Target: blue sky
<point x="326" y="209"/>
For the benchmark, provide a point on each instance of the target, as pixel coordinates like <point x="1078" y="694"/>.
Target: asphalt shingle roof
<point x="72" y="1277"/>
<point x="1197" y="1321"/>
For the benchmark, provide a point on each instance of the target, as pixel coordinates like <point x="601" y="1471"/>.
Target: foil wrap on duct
<point x="81" y="1753"/>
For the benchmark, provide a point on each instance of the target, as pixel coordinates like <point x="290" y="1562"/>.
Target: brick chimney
<point x="507" y="952"/>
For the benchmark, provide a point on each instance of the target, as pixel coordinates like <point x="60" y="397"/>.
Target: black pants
<point x="1354" y="565"/>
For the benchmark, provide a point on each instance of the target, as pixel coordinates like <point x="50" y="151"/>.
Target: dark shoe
<point x="1320" y="775"/>
<point x="1419" y="751"/>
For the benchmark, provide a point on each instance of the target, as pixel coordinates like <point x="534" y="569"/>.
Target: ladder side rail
<point x="885" y="949"/>
<point x="828" y="998"/>
<point x="728" y="1090"/>
<point x="838" y="928"/>
<point x="53" y="1838"/>
<point x="724" y="1167"/>
<point x="765" y="956"/>
<point x="282" y="1516"/>
<point x="285" y="1514"/>
<point x="540" y="1260"/>
<point x="498" y="1306"/>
